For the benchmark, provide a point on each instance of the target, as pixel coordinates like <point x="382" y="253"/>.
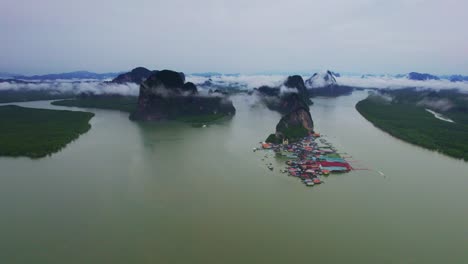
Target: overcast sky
<point x="240" y="36"/>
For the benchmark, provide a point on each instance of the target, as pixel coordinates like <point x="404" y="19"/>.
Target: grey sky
<point x="247" y="36"/>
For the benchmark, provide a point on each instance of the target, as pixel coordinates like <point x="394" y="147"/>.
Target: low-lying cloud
<point x="244" y="82"/>
<point x="398" y="83"/>
<point x="247" y="82"/>
<point x="286" y="90"/>
<point x="128" y="89"/>
<point x="437" y="104"/>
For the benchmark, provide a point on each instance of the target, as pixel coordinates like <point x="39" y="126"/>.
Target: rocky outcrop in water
<point x="287" y="97"/>
<point x="295" y="125"/>
<point x="165" y="95"/>
<point x="293" y="102"/>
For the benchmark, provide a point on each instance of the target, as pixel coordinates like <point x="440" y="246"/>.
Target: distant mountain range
<point x="6" y="75"/>
<point x="62" y="76"/>
<point x="206" y="74"/>
<point x="416" y="76"/>
<point x="426" y="76"/>
<point x="327" y="77"/>
<point x="458" y="78"/>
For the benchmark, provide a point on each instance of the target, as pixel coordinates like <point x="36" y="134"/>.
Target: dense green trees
<point x="121" y="103"/>
<point x="36" y="133"/>
<point x="129" y="104"/>
<point x="414" y="124"/>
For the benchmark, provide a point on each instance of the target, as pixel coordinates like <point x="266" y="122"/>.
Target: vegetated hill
<point x="25" y="95"/>
<point x="407" y="119"/>
<point x="452" y="103"/>
<point x="111" y="102"/>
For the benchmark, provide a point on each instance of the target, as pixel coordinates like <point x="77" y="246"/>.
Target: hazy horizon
<point x="248" y="37"/>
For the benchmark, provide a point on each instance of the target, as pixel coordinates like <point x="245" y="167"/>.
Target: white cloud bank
<point x="397" y="83"/>
<point x="128" y="89"/>
<point x="379" y="82"/>
<point x="242" y="81"/>
<point x="247" y="82"/>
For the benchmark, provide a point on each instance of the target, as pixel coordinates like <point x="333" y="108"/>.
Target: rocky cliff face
<point x="287" y="97"/>
<point x="295" y="125"/>
<point x="296" y="82"/>
<point x="293" y="102"/>
<point x="137" y="75"/>
<point x="165" y="95"/>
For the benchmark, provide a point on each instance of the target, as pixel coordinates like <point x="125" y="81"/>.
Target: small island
<point x="292" y="101"/>
<point x="36" y="133"/>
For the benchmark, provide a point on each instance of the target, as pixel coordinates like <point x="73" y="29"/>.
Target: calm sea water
<point x="170" y="193"/>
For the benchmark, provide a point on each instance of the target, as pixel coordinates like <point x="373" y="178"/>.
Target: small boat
<point x="309" y="184"/>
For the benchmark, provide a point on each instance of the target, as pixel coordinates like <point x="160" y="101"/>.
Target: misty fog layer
<point x="243" y="82"/>
<point x="128" y="89"/>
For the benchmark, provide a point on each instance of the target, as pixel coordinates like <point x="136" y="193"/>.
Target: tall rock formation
<point x="293" y="102"/>
<point x="164" y="95"/>
<point x="295" y="125"/>
<point x="284" y="99"/>
<point x="296" y="82"/>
